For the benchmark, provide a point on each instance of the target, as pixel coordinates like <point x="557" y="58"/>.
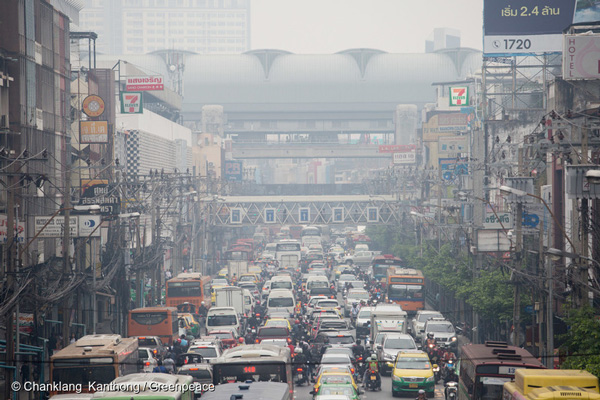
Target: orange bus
<point x="406" y="286"/>
<point x="93" y="358"/>
<point x="154" y="321"/>
<point x="191" y="287"/>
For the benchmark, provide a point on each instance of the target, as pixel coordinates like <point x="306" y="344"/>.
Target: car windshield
<point x="341" y="339"/>
<point x="425" y="317"/>
<point x="364" y="314"/>
<point x="220" y="320"/>
<point x="413" y="363"/>
<point x="359" y="296"/>
<point x="336" y="390"/>
<point x="399" y="343"/>
<point x="206" y="352"/>
<point x="339" y="350"/>
<point x="339" y="379"/>
<point x="276" y="322"/>
<point x="281" y="285"/>
<point x="440" y="328"/>
<point x="273" y="331"/>
<point x="222" y="335"/>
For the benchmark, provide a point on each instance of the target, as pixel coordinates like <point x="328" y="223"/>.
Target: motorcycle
<point x="436" y="373"/>
<point x="451" y="391"/>
<point x="372" y="381"/>
<point x="301" y="375"/>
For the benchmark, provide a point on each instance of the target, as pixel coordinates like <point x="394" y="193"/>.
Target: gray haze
<point x="328" y="26"/>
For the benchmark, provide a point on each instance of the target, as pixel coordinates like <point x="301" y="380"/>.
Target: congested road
<point x="303" y="392"/>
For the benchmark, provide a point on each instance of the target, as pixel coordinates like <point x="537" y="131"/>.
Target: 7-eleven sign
<point x="459" y="96"/>
<point x="131" y="103"/>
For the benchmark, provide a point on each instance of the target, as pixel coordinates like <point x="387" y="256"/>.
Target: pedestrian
<point x="73" y="339"/>
<point x="169" y="363"/>
<point x="52" y="344"/>
<point x="25" y="372"/>
<point x="160" y="368"/>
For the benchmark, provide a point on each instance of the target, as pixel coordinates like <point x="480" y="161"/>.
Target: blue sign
<point x="233" y="170"/>
<point x="269" y="215"/>
<point x="372" y="214"/>
<point x="338" y="214"/>
<point x="236" y="216"/>
<point x="304" y="215"/>
<point x="451" y="168"/>
<point x="530" y="220"/>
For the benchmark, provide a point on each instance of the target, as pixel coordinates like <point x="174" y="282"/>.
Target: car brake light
<point x="257" y="341"/>
<point x="147" y="363"/>
<point x="299" y="369"/>
<point x="194" y="369"/>
<point x="352" y="370"/>
<point x="142" y="337"/>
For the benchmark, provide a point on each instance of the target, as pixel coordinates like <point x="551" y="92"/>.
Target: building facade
<point x="143" y="26"/>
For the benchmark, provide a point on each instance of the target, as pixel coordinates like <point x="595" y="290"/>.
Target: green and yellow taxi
<point x="335" y="389"/>
<point x="190" y="323"/>
<point x="335" y="378"/>
<point x="342" y="269"/>
<point x="412" y="372"/>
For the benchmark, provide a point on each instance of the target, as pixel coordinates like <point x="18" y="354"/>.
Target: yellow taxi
<point x="189" y="323"/>
<point x="335" y="378"/>
<point x="279" y="322"/>
<point x="223" y="273"/>
<point x="412" y="372"/>
<point x="249" y="277"/>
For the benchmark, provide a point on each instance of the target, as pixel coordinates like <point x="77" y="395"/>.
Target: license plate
<point x="413" y="385"/>
<point x="299" y="376"/>
<point x="373" y="378"/>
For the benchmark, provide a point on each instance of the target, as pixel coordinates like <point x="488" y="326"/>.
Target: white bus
<point x="288" y="253"/>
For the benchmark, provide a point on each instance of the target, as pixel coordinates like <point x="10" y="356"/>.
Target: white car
<point x="146" y="355"/>
<point x="392" y="344"/>
<point x="418" y="322"/>
<point x="208" y="350"/>
<point x="361" y="258"/>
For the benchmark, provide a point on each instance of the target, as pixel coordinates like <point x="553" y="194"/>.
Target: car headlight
<point x="453" y="339"/>
<point x="396" y="378"/>
<point x="430" y="379"/>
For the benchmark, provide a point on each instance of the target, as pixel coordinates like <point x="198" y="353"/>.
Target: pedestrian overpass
<point x="254" y="150"/>
<point x="232" y="211"/>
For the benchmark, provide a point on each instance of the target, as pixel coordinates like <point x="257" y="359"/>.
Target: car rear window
<point x="146" y="342"/>
<point x="341" y="339"/>
<point x="273" y="331"/>
<point x="327" y="303"/>
<point x="320" y="292"/>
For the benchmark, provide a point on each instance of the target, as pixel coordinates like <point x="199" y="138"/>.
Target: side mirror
<point x="312" y="392"/>
<point x="379" y="347"/>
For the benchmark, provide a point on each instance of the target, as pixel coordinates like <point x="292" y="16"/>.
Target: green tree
<point x="582" y="341"/>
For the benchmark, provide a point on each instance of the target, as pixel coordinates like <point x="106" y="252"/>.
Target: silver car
<point x="418" y="322"/>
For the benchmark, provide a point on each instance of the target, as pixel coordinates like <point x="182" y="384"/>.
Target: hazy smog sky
<point x="328" y="26"/>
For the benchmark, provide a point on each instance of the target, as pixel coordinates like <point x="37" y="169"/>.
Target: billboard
<point x="142" y="83"/>
<point x="93" y="132"/>
<point x="580" y="57"/>
<point x="452" y="144"/>
<point x="459" y="96"/>
<point x="452" y="168"/>
<point x="396" y="148"/>
<point x="19" y="229"/>
<point x="405" y="158"/>
<point x="519" y="27"/>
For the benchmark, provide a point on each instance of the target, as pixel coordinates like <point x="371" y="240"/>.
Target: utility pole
<point x="66" y="315"/>
<point x="518" y="260"/>
<point x="583" y="272"/>
<point x="10" y="281"/>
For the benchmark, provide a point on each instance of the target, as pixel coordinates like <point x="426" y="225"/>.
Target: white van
<point x="282" y="282"/>
<point x="249" y="302"/>
<point x="282" y="298"/>
<point x="312" y="279"/>
<point x="224" y="318"/>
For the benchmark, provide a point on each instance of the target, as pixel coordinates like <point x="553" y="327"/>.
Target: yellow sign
<point x="93" y="132"/>
<point x="93" y="106"/>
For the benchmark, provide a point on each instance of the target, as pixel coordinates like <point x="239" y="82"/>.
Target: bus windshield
<point x="491" y="387"/>
<point x="80" y="370"/>
<point x="288" y="247"/>
<point x="149" y="318"/>
<point x="406" y="291"/>
<point x="184" y="289"/>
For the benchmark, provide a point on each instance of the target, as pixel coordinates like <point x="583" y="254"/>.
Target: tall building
<point x="143" y="26"/>
<point x="442" y="38"/>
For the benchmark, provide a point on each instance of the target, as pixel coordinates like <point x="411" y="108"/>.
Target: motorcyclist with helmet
<point x="372" y="370"/>
<point x="354" y="313"/>
<point x="300" y="361"/>
<point x="422" y="395"/>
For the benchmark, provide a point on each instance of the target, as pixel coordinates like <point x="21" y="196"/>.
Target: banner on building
<point x="19" y="229"/>
<point x="131" y="103"/>
<point x="93" y="132"/>
<point x="233" y="170"/>
<point x="452" y="145"/>
<point x="452" y="168"/>
<point x="104" y="195"/>
<point x="396" y="148"/>
<point x="520" y="27"/>
<point x="405" y="158"/>
<point x="54" y="227"/>
<point x="581" y="57"/>
<point x="144" y="83"/>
